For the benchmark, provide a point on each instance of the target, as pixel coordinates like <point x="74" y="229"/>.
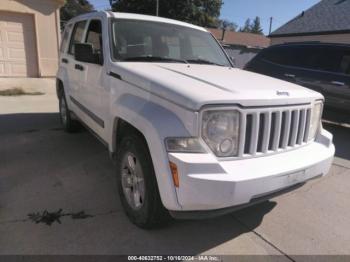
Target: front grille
<point x="268" y="130"/>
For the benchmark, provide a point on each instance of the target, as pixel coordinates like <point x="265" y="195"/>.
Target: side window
<point x="77" y="35"/>
<point x="308" y="57"/>
<point x="94" y="36"/>
<point x="345" y="64"/>
<point x="65" y="38"/>
<point x="324" y="59"/>
<point x="300" y="56"/>
<point x="278" y="55"/>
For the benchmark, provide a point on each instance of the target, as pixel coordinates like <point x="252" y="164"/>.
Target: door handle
<point x="64" y="60"/>
<point x="337" y="83"/>
<point x="79" y="67"/>
<point x="289" y="75"/>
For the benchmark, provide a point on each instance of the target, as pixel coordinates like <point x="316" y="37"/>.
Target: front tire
<point x="137" y="185"/>
<point x="69" y="125"/>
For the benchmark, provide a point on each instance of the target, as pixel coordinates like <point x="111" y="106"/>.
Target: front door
<point x="92" y="80"/>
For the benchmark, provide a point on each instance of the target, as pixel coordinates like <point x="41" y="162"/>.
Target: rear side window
<point x="320" y="58"/>
<point x="345" y="64"/>
<point x="65" y="38"/>
<point x="77" y="36"/>
<point x="94" y="36"/>
<point x="279" y="55"/>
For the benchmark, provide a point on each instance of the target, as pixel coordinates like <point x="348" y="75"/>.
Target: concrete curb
<point x="341" y="162"/>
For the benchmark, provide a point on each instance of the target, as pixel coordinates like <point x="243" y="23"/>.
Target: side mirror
<point x="85" y="53"/>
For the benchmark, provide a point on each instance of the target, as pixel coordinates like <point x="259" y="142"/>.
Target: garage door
<point x="18" y="56"/>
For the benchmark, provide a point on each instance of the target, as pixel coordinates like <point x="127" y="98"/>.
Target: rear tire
<point x="69" y="125"/>
<point x="137" y="185"/>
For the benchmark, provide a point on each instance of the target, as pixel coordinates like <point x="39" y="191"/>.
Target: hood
<point x="193" y="86"/>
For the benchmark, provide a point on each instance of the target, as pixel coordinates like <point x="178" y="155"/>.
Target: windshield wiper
<point x="202" y="61"/>
<point x="168" y="59"/>
<point x="154" y="59"/>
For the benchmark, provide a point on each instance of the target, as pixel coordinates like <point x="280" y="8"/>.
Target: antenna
<point x="157" y="9"/>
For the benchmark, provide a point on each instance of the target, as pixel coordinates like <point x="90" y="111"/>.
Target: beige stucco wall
<point x="46" y="20"/>
<point x="336" y="38"/>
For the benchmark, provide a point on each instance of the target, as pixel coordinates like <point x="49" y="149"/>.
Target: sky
<point x="238" y="11"/>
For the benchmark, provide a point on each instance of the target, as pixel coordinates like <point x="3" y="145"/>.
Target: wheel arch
<point x="59" y="87"/>
<point x="150" y="120"/>
<point x="122" y="127"/>
<point x="154" y="123"/>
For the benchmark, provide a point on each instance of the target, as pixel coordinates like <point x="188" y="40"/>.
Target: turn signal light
<point x="175" y="174"/>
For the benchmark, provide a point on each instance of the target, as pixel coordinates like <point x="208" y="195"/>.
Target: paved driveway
<point x="43" y="168"/>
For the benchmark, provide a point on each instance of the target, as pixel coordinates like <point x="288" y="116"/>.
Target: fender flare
<point x="156" y="123"/>
<point x="62" y="76"/>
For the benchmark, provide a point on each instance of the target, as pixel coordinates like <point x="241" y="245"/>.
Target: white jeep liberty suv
<point x="191" y="135"/>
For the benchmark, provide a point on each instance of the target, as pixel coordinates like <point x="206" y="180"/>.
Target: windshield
<point x="135" y="40"/>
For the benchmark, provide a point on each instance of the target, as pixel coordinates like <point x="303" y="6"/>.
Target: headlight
<point x="220" y="131"/>
<point x="315" y="119"/>
<point x="184" y="145"/>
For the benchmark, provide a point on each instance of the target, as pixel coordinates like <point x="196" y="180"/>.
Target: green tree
<point x="247" y="27"/>
<point x="200" y="12"/>
<point x="256" y="26"/>
<point x="73" y="8"/>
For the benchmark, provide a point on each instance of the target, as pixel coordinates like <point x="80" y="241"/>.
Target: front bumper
<point x="207" y="184"/>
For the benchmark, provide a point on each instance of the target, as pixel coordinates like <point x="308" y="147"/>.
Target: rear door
<point x="320" y="67"/>
<point x="337" y="88"/>
<point x="297" y="64"/>
<point x="64" y="58"/>
<point x="74" y="72"/>
<point x="311" y="68"/>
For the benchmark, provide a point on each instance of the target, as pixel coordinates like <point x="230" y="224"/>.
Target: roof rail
<point x="312" y="42"/>
<point x="303" y="42"/>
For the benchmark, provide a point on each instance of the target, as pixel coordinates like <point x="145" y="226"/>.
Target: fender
<point x="155" y="123"/>
<point x="63" y="76"/>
